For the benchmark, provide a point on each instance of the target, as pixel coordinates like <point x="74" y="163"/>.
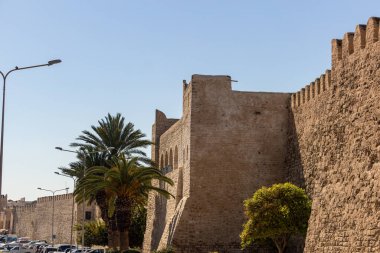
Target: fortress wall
<point x="336" y="147"/>
<point x="239" y="144"/>
<point x="34" y="220"/>
<point x="172" y="148"/>
<point x="24" y="217"/>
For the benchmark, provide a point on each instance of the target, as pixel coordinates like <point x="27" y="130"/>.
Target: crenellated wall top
<point x="313" y="90"/>
<point x="363" y="37"/>
<point x="56" y="198"/>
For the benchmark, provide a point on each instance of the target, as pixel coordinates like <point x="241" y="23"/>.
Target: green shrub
<point x="276" y="213"/>
<point x="167" y="250"/>
<point x="133" y="250"/>
<point x="95" y="233"/>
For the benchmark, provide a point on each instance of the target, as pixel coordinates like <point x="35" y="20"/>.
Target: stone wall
<point x="171" y="152"/>
<point x="35" y="220"/>
<point x="335" y="146"/>
<point x="325" y="138"/>
<point x="232" y="143"/>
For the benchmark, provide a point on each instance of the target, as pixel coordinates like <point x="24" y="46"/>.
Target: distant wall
<point x="35" y="220"/>
<point x="335" y="147"/>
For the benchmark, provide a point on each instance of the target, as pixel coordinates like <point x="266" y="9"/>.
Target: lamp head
<point x="39" y="188"/>
<point x="59" y="148"/>
<point x="52" y="62"/>
<point x="56" y="172"/>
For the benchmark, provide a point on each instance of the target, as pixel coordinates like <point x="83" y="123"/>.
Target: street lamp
<point x="72" y="208"/>
<point x="84" y="172"/>
<point x="52" y="62"/>
<point x="52" y="218"/>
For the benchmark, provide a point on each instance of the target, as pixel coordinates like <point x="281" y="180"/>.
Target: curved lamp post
<point x="72" y="208"/>
<point x="52" y="218"/>
<point x="5" y="75"/>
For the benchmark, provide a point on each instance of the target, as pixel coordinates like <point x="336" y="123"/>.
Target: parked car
<point x="81" y="250"/>
<point x="48" y="249"/>
<point x="3" y="249"/>
<point x="96" y="251"/>
<point x="19" y="249"/>
<point x="63" y="247"/>
<point x="11" y="238"/>
<point x="38" y="246"/>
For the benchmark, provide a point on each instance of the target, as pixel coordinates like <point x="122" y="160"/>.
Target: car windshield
<point x="63" y="247"/>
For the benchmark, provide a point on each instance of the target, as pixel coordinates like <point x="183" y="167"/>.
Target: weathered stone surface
<point x="35" y="220"/>
<point x="226" y="145"/>
<point x="324" y="138"/>
<point x="335" y="148"/>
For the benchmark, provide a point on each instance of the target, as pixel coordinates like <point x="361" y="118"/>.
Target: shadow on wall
<point x="296" y="176"/>
<point x="159" y="220"/>
<point x="293" y="158"/>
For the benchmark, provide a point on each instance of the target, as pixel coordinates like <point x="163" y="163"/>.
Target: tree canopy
<point x="276" y="212"/>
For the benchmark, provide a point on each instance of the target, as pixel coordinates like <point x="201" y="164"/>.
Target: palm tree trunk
<point x="124" y="240"/>
<point x="112" y="233"/>
<point x="123" y="220"/>
<point x="101" y="201"/>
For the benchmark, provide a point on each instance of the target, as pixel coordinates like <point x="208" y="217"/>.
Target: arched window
<point x="166" y="159"/>
<point x="171" y="158"/>
<point x="179" y="193"/>
<point x="176" y="157"/>
<point x="162" y="161"/>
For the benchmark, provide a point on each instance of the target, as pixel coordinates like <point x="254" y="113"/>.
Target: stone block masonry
<point x="335" y="149"/>
<point x="226" y="145"/>
<point x="325" y="138"/>
<point x="35" y="220"/>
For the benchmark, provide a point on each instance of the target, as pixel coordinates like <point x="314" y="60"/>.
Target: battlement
<point x="311" y="91"/>
<point x="27" y="208"/>
<point x="364" y="35"/>
<point x="353" y="42"/>
<point x="56" y="198"/>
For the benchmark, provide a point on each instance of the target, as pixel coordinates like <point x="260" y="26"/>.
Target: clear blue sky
<point x="131" y="57"/>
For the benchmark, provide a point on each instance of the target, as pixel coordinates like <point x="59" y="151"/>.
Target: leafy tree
<point x="95" y="233"/>
<point x="137" y="228"/>
<point x="277" y="213"/>
<point x="126" y="185"/>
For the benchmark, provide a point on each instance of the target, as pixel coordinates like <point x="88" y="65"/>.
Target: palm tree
<point x="114" y="138"/>
<point x="126" y="185"/>
<point x="87" y="159"/>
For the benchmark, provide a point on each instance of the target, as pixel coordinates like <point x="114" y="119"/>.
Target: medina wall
<point x="335" y="146"/>
<point x="325" y="138"/>
<point x="35" y="220"/>
<point x="171" y="152"/>
<point x="232" y="143"/>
